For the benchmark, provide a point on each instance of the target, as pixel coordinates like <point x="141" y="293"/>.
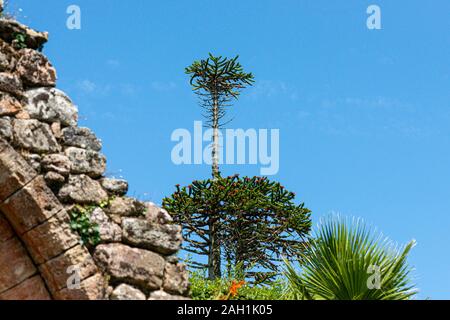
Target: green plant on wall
<point x="20" y="40"/>
<point x="80" y="222"/>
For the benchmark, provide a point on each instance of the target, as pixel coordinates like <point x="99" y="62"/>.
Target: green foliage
<point x="219" y="289"/>
<point x="20" y="40"/>
<point x="219" y="75"/>
<point x="276" y="290"/>
<point x="340" y="264"/>
<point x="81" y="223"/>
<point x="204" y="289"/>
<point x="257" y="222"/>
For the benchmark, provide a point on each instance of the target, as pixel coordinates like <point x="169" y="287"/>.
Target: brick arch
<point x="37" y="245"/>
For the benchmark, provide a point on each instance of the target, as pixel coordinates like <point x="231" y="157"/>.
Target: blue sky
<point x="363" y="114"/>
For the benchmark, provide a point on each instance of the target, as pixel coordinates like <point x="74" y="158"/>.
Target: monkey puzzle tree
<point x="217" y="81"/>
<point x="257" y="223"/>
<point x="252" y="222"/>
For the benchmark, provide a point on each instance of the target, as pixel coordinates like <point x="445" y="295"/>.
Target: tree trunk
<point x="214" y="259"/>
<point x="215" y="147"/>
<point x="215" y="254"/>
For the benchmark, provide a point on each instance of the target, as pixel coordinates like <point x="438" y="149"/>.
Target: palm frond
<point x="349" y="261"/>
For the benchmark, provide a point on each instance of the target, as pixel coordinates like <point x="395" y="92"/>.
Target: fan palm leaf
<point x="346" y="260"/>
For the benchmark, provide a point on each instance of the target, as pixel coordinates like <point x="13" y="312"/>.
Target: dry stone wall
<point x="48" y="166"/>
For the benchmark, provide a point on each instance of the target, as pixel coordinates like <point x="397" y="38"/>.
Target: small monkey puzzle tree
<point x="258" y="223"/>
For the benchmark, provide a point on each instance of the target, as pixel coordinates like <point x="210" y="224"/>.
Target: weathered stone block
<point x="6" y="130"/>
<point x="54" y="180"/>
<point x="14" y="171"/>
<point x="109" y="231"/>
<point x="10" y="83"/>
<point x="57" y="163"/>
<point x="8" y="57"/>
<point x="35" y="136"/>
<point x="82" y="138"/>
<point x="9" y="28"/>
<point x="138" y="267"/>
<point x="127" y="292"/>
<point x="6" y="231"/>
<point x="176" y="280"/>
<point x="51" y="105"/>
<point x="118" y="187"/>
<point x="35" y="70"/>
<point x="161" y="295"/>
<point x="57" y="274"/>
<point x="15" y="264"/>
<point x="9" y="105"/>
<point x="31" y="289"/>
<point x="82" y="190"/>
<point x="31" y="206"/>
<point x="164" y="239"/>
<point x="51" y="238"/>
<point x="93" y="288"/>
<point x="156" y="214"/>
<point x="126" y="207"/>
<point x="86" y="162"/>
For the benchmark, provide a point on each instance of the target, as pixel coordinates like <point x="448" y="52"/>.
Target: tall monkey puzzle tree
<point x="217" y="81"/>
<point x="250" y="222"/>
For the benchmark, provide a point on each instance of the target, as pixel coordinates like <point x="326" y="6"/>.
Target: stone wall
<point x="49" y="165"/>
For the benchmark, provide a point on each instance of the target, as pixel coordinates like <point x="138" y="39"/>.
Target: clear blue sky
<point x="363" y="115"/>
